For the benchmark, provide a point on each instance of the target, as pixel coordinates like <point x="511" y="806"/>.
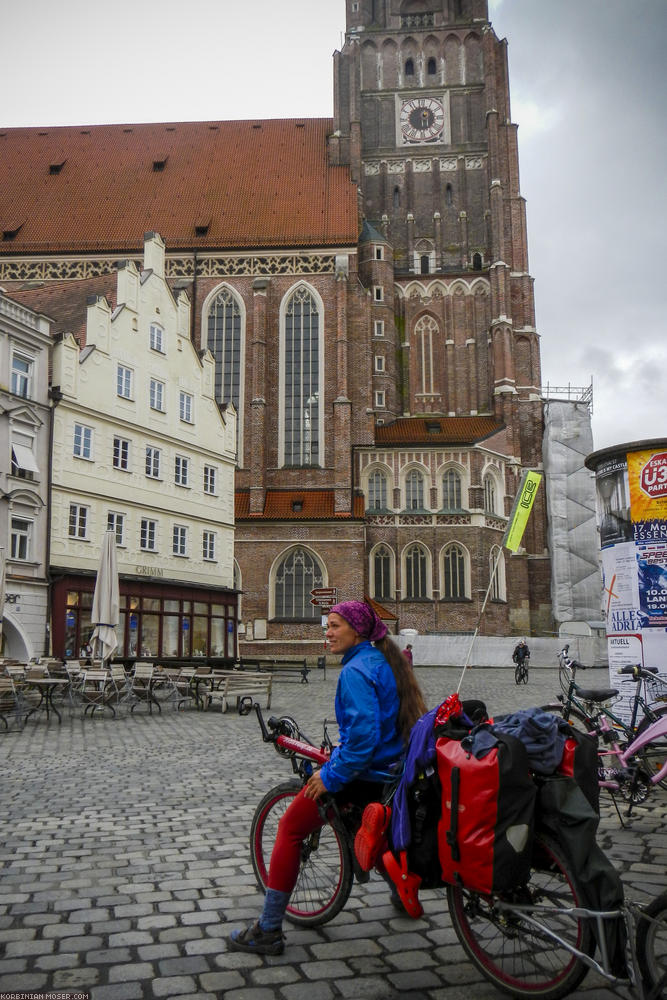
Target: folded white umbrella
<point x="106" y="601"/>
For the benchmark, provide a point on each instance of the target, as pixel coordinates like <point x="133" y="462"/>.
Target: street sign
<point x="324" y="597"/>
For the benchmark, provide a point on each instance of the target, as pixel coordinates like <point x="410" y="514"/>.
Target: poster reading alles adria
<point x="631" y="485"/>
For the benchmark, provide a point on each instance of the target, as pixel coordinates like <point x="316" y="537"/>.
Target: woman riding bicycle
<point x="377" y="702"/>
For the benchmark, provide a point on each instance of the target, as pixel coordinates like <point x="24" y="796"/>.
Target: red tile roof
<point x="437" y="430"/>
<point x="246" y="183"/>
<point x="297" y="505"/>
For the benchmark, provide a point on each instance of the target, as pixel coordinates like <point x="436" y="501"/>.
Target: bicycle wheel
<point x="325" y="875"/>
<point x="652" y="948"/>
<point x="517" y="957"/>
<point x="573" y="715"/>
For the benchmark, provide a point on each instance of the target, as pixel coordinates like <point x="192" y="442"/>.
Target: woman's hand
<point x="315" y="787"/>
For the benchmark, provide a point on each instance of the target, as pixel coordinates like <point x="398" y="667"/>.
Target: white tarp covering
<point x="576" y="581"/>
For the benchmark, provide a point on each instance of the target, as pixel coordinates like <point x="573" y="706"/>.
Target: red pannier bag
<point x="580" y="761"/>
<point x="485" y="832"/>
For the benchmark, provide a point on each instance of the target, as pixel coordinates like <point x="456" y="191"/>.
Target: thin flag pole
<point x="516" y="525"/>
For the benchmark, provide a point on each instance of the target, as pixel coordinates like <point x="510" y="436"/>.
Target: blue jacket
<point x="367" y="715"/>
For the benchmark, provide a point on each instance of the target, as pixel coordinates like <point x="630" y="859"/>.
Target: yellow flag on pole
<point x="521" y="510"/>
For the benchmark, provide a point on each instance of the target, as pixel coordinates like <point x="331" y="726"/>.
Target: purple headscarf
<point x="362" y="618"/>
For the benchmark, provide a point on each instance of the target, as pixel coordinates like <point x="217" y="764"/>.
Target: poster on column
<point x="631" y="484"/>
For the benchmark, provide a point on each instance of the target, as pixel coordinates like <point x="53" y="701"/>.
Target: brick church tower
<point x="422" y="117"/>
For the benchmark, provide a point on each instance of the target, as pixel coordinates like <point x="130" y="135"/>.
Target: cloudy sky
<point x="588" y="83"/>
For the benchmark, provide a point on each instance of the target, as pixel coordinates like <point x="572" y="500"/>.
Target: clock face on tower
<point x="422" y="119"/>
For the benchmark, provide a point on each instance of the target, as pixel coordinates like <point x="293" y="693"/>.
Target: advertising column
<point x="631" y="483"/>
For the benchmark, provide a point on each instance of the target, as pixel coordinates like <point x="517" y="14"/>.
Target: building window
<point x="451" y="490"/>
<point x="380" y="399"/>
<point x="477" y="262"/>
<point x="377" y="490"/>
<point x="449" y="195"/>
<point x="497" y="574"/>
<point x="409" y="67"/>
<point x="489" y="495"/>
<point x="414" y="490"/>
<point x="157" y="395"/>
<point x="296" y="576"/>
<point x="210" y="479"/>
<point x="157" y="338"/>
<point x="378" y="293"/>
<point x="152" y="462"/>
<point x="83" y="441"/>
<point x="24" y="465"/>
<point x="426" y="332"/>
<point x="431" y="67"/>
<point x="454" y="574"/>
<point x="179" y="537"/>
<point x="181" y="470"/>
<point x="301" y="437"/>
<point x="379" y="253"/>
<point x="21" y="539"/>
<point x="22" y="370"/>
<point x="78" y="521"/>
<point x="379" y="363"/>
<point x="225" y="342"/>
<point x="121" y="454"/>
<point x="382" y="582"/>
<point x="208" y="545"/>
<point x="148" y="535"/>
<point x="424" y="264"/>
<point x="378" y="328"/>
<point x="116" y="523"/>
<point x="415" y="573"/>
<point x="124" y="382"/>
<point x="186" y="404"/>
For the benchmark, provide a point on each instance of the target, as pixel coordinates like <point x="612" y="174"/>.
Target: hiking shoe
<point x="256" y="941"/>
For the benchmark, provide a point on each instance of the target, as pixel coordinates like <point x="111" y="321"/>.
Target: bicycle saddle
<point x="596" y="694"/>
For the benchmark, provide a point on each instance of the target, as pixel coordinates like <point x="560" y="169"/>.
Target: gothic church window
<point x="453" y="573"/>
<point x="490" y="494"/>
<point x="425" y="264"/>
<point x="301" y="380"/>
<point x="377" y="490"/>
<point x="449" y="195"/>
<point x="477" y="262"/>
<point x="497" y="574"/>
<point x="451" y="490"/>
<point x="426" y="330"/>
<point x="381" y="573"/>
<point x="416" y="564"/>
<point x="225" y="342"/>
<point x="409" y="67"/>
<point x="297" y="574"/>
<point x="414" y="490"/>
<point x="431" y="67"/>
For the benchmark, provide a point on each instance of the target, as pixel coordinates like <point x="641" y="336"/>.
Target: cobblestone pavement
<point x="124" y="861"/>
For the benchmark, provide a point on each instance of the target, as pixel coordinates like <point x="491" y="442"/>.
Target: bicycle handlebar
<point x="285" y="734"/>
<point x="638" y="671"/>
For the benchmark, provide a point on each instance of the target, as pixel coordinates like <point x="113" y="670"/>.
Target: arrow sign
<point x="325" y="592"/>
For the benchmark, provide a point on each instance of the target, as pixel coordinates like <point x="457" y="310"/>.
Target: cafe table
<point x="47" y="687"/>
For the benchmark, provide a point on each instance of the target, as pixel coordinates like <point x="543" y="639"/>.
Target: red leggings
<point x="300" y="819"/>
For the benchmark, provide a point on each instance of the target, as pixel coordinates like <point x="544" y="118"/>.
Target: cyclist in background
<point x="378" y="700"/>
<point x="521" y="652"/>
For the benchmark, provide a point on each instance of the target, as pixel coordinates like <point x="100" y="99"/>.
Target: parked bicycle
<point x="536" y="941"/>
<point x="632" y="757"/>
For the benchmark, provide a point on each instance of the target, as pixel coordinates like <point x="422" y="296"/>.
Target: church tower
<point x="422" y="117"/>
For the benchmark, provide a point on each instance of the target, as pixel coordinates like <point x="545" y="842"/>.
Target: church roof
<point x="299" y="505"/>
<point x="437" y="430"/>
<point x="201" y="185"/>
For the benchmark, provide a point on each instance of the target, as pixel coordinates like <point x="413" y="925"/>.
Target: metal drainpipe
<point x="48" y="628"/>
<point x="194" y="299"/>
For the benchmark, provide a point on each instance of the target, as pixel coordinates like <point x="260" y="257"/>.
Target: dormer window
<point x="159" y="164"/>
<point x="55" y="168"/>
<point x="297" y="506"/>
<point x="202" y="230"/>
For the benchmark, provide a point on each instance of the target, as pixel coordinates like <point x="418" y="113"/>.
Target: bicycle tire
<point x="517" y="958"/>
<point x="573" y="716"/>
<point x="652" y="948"/>
<point x="326" y="873"/>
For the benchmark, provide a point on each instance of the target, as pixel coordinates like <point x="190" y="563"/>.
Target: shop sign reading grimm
<point x="631" y="484"/>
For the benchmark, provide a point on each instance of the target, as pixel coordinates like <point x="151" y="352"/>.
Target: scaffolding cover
<point x="576" y="581"/>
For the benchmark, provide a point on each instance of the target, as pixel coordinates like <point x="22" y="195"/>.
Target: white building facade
<point x="25" y="418"/>
<point x="140" y="446"/>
